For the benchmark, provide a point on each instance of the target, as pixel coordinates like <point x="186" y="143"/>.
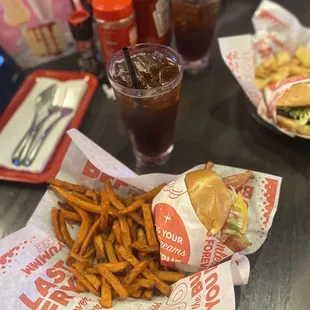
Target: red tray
<point x="56" y="159"/>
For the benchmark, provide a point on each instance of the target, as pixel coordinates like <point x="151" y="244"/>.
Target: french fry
<point x="110" y="251"/>
<point x="125" y="200"/>
<point x="209" y="165"/>
<point x="117" y="231"/>
<point x="113" y="199"/>
<point x="83" y="280"/>
<point x="145" y="248"/>
<point x="148" y="294"/>
<point x="134" y="273"/>
<point x="89" y="193"/>
<point x="86" y="206"/>
<point x="104" y="216"/>
<point x="126" y="238"/>
<point x="92" y="279"/>
<point x="169" y="276"/>
<point x="81" y="259"/>
<point x="115" y="283"/>
<point x="133" y="207"/>
<point x="149" y="225"/>
<point x="151" y="194"/>
<point x="137" y="218"/>
<point x="81" y="196"/>
<point x="160" y="285"/>
<point x="91" y="233"/>
<point x="99" y="247"/>
<point x="90" y="252"/>
<point x="68" y="241"/>
<point x="56" y="224"/>
<point x="66" y="185"/>
<point x="141" y="237"/>
<point x="95" y="199"/>
<point x="72" y="216"/>
<point x="145" y="283"/>
<point x="106" y="294"/>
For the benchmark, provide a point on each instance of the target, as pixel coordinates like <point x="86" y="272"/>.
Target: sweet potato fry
<point x="92" y="279"/>
<point x="134" y="273"/>
<point x="84" y="261"/>
<point x="72" y="216"/>
<point x="87" y="206"/>
<point x="80" y="287"/>
<point x="83" y="280"/>
<point x="81" y="196"/>
<point x="115" y="283"/>
<point x="148" y="294"/>
<point x="89" y="238"/>
<point x="65" y="206"/>
<point x="160" y="285"/>
<point x="145" y="248"/>
<point x="151" y="194"/>
<point x="126" y="238"/>
<point x="66" y="185"/>
<point x="104" y="216"/>
<point x="145" y="283"/>
<point x="132" y="228"/>
<point x="106" y="294"/>
<point x="237" y="181"/>
<point x="90" y="252"/>
<point x="112" y="197"/>
<point x="133" y="207"/>
<point x="169" y="276"/>
<point x="117" y="231"/>
<point x="134" y="291"/>
<point x="99" y="247"/>
<point x="110" y="251"/>
<point x="114" y="267"/>
<point x="149" y="225"/>
<point x="68" y="241"/>
<point x="56" y="224"/>
<point x="111" y="236"/>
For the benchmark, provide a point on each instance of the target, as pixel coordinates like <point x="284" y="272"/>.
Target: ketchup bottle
<point x="154" y="21"/>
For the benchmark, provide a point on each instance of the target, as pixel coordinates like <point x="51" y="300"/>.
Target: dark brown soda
<point x="194" y="26"/>
<point x="149" y="120"/>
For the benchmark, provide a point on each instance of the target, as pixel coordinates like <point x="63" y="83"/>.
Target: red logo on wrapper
<point x="173" y="191"/>
<point x="267" y="16"/>
<point x="172" y="235"/>
<point x="92" y="172"/>
<point x="271" y="187"/>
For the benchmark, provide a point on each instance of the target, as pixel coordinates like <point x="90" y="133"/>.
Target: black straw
<point x="131" y="68"/>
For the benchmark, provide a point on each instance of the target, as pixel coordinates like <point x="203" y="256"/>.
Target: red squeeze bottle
<point x="153" y="20"/>
<point x="82" y="31"/>
<point x="116" y="25"/>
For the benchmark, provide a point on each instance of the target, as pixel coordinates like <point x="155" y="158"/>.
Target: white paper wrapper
<point x="184" y="241"/>
<point x="276" y="30"/>
<point x="33" y="273"/>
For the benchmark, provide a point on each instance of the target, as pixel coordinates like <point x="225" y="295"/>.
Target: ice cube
<point x="167" y="74"/>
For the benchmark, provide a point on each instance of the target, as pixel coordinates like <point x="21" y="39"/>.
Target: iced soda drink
<point x="150" y="111"/>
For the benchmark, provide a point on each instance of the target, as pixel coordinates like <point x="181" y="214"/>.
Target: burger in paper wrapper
<point x="202" y="218"/>
<point x="293" y="109"/>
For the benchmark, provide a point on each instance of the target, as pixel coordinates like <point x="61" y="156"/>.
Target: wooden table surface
<point x="214" y="124"/>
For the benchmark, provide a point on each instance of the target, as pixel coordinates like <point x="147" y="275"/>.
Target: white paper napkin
<point x="22" y="118"/>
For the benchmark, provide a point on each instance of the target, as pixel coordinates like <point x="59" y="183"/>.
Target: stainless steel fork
<point x="70" y="102"/>
<point x="43" y="99"/>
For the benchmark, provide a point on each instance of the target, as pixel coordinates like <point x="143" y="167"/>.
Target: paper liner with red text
<point x="276" y="30"/>
<point x="33" y="272"/>
<point x="184" y="241"/>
